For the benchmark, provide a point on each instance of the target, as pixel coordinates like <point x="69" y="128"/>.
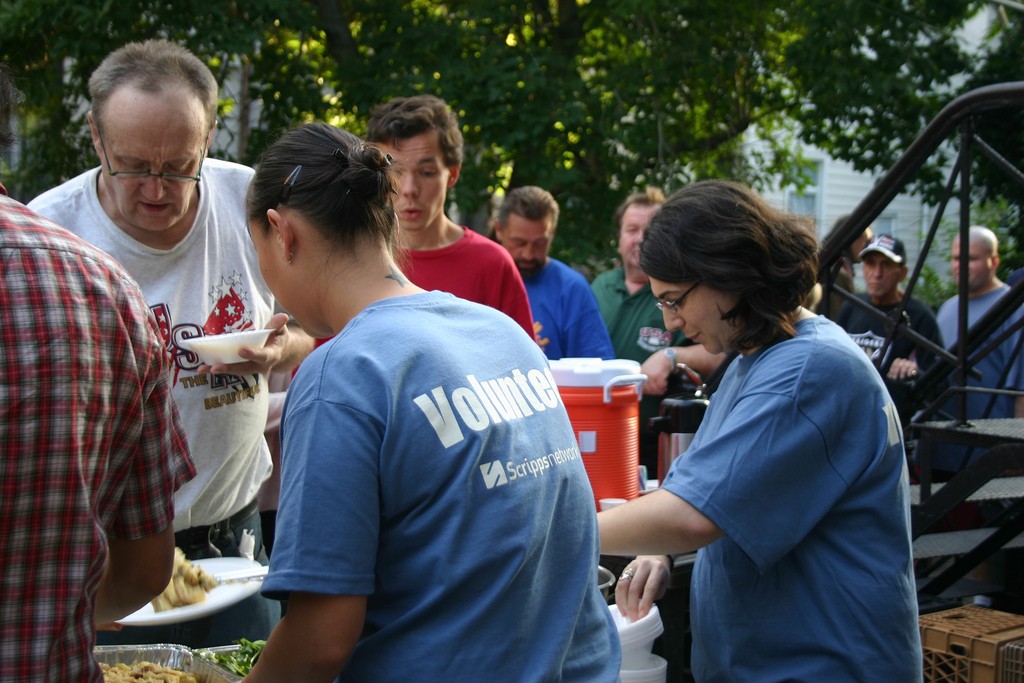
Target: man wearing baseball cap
<point x="884" y="263"/>
<point x="890" y="247"/>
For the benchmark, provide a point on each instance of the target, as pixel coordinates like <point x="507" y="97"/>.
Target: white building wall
<point x="841" y="188"/>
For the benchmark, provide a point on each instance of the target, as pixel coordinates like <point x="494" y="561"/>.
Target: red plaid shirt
<point x="90" y="444"/>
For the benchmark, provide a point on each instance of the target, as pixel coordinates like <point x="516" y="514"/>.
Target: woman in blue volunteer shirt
<point x="436" y="521"/>
<point x="795" y="488"/>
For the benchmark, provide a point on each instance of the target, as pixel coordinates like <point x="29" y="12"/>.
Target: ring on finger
<point x="627" y="574"/>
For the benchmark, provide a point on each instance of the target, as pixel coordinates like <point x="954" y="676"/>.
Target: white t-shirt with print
<point x="209" y="283"/>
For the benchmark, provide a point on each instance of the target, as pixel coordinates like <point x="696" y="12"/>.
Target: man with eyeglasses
<point x="175" y="219"/>
<point x="636" y="321"/>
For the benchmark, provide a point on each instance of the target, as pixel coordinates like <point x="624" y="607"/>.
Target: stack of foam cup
<point x="639" y="664"/>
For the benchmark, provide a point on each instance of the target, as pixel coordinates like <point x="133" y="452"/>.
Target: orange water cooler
<point x="602" y="398"/>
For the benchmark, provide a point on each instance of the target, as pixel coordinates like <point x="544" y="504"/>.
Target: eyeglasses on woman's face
<point x="673" y="306"/>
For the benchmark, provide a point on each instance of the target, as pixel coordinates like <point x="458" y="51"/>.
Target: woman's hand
<point x="258" y="359"/>
<point x="643" y="581"/>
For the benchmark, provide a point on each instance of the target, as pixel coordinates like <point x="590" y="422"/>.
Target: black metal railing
<point x="956" y="123"/>
<point x="1001" y="440"/>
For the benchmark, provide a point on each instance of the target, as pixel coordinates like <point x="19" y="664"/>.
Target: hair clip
<point x="388" y="159"/>
<point x="289" y="183"/>
<point x="339" y="153"/>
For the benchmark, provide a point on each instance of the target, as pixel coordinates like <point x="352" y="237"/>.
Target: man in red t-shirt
<point x="422" y="134"/>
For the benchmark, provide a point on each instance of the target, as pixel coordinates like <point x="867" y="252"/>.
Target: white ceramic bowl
<point x="223" y="348"/>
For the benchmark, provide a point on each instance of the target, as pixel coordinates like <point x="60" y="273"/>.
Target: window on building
<point x="806" y="200"/>
<point x="885" y="225"/>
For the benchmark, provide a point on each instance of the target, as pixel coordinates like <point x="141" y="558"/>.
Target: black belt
<point x="199" y="537"/>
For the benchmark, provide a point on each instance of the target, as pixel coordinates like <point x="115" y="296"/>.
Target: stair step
<point x="1000" y="488"/>
<point x="946" y="543"/>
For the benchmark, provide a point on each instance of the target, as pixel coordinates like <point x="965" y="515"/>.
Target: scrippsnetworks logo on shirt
<point x="494" y="474"/>
<point x="498" y="473"/>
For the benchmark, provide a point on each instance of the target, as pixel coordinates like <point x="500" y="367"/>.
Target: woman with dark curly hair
<point x="795" y="487"/>
<point x="436" y="522"/>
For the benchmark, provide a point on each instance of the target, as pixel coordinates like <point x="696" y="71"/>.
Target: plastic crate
<point x="965" y="644"/>
<point x="1013" y="662"/>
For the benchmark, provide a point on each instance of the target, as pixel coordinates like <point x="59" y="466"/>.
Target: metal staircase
<point x="944" y="558"/>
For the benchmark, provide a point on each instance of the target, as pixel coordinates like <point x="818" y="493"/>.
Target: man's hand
<point x="903" y="369"/>
<point x="658" y="367"/>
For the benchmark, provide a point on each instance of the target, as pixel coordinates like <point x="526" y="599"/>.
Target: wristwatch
<point x="671" y="353"/>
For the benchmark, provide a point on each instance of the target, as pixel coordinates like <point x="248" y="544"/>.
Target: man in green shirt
<point x="636" y="324"/>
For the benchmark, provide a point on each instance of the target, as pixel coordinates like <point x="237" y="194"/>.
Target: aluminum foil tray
<point x="175" y="656"/>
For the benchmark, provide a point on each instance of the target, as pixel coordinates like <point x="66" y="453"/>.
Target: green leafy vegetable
<point x="239" y="661"/>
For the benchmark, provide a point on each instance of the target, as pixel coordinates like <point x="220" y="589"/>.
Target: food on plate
<point x="146" y="672"/>
<point x="188" y="586"/>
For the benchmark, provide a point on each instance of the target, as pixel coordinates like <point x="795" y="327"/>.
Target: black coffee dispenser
<point x="677" y="422"/>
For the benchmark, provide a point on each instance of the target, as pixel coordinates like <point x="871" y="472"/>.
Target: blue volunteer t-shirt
<point x="430" y="465"/>
<point x="812" y="580"/>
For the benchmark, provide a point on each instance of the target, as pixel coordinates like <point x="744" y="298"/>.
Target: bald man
<point x="984" y="289"/>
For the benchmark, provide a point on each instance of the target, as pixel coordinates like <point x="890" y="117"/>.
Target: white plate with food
<point x="218" y="598"/>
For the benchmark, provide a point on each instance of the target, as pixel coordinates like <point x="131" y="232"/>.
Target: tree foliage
<point x="1006" y="133"/>
<point x="873" y="80"/>
<point x="591" y="99"/>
